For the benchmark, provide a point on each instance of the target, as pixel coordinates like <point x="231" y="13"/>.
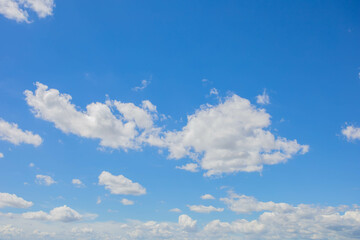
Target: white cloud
<point x="10" y="132"/>
<point x="263" y="98"/>
<point x="187" y="222"/>
<point x="1" y="155"/>
<point x="231" y="137"/>
<point x="214" y="91"/>
<point x="31" y="165"/>
<point x="77" y="182"/>
<point x="125" y="201"/>
<point x="204" y="209"/>
<point x="10" y="230"/>
<point x="17" y="9"/>
<point x="44" y="180"/>
<point x="130" y="129"/>
<point x="120" y="184"/>
<point x="191" y="167"/>
<point x="175" y="210"/>
<point x="207" y="197"/>
<point x="62" y="214"/>
<point x="144" y="84"/>
<point x="246" y="204"/>
<point x="351" y="133"/>
<point x="11" y="200"/>
<point x="98" y="201"/>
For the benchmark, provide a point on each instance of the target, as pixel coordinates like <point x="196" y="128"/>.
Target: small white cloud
<point x="204" y="209"/>
<point x="77" y="182"/>
<point x="187" y="223"/>
<point x="1" y="155"/>
<point x="120" y="184"/>
<point x="144" y="84"/>
<point x="31" y="165"/>
<point x="62" y="214"/>
<point x="191" y="167"/>
<point x="214" y="91"/>
<point x="11" y="200"/>
<point x="351" y="133"/>
<point x="17" y="9"/>
<point x="263" y="98"/>
<point x="10" y="132"/>
<point x="44" y="180"/>
<point x="125" y="201"/>
<point x="177" y="210"/>
<point x="98" y="201"/>
<point x="207" y="197"/>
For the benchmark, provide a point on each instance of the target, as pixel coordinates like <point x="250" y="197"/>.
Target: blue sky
<point x="255" y="103"/>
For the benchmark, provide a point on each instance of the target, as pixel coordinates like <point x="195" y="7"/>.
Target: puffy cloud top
<point x="11" y="200"/>
<point x="10" y="132"/>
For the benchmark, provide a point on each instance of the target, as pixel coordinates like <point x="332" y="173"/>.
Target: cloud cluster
<point x="116" y="124"/>
<point x="62" y="214"/>
<point x="17" y="9"/>
<point x="351" y="133"/>
<point x="230" y="137"/>
<point x="120" y="184"/>
<point x="11" y="200"/>
<point x="12" y="133"/>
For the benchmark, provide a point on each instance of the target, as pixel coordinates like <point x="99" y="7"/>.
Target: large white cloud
<point x="246" y="204"/>
<point x="120" y="184"/>
<point x="204" y="209"/>
<point x="12" y="133"/>
<point x="230" y="137"/>
<point x="127" y="127"/>
<point x="351" y="133"/>
<point x="187" y="222"/>
<point x="17" y="9"/>
<point x="62" y="214"/>
<point x="11" y="200"/>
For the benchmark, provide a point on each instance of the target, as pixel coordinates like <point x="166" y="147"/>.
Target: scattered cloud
<point x="204" y="209"/>
<point x="11" y="200"/>
<point x="263" y="98"/>
<point x="231" y="137"/>
<point x="44" y="180"/>
<point x="1" y="155"/>
<point x="125" y="201"/>
<point x="120" y="184"/>
<point x="144" y="84"/>
<point x="77" y="183"/>
<point x="351" y="133"/>
<point x="191" y="167"/>
<point x="133" y="127"/>
<point x="10" y="132"/>
<point x="207" y="197"/>
<point x="62" y="214"/>
<point x="177" y="210"/>
<point x="31" y="165"/>
<point x="18" y="9"/>
<point x="214" y="91"/>
<point x="98" y="201"/>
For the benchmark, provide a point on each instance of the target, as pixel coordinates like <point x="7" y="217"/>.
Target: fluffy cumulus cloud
<point x="18" y="9"/>
<point x="44" y="180"/>
<point x="12" y="133"/>
<point x="204" y="209"/>
<point x="116" y="124"/>
<point x="230" y="137"/>
<point x="207" y="197"/>
<point x="62" y="214"/>
<point x="77" y="182"/>
<point x="11" y="200"/>
<point x="187" y="222"/>
<point x="120" y="184"/>
<point x="246" y="204"/>
<point x="351" y="133"/>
